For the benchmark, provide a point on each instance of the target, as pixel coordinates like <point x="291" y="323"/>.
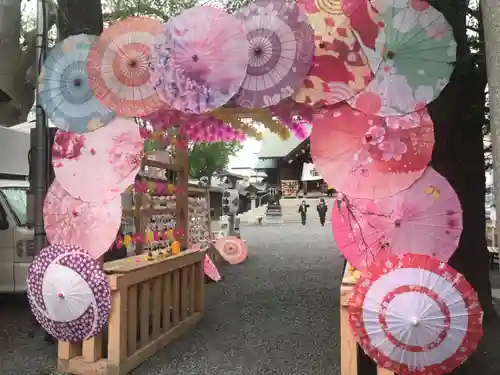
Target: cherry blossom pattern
<point x="425" y="219"/>
<point x="357" y="153"/>
<point x="341" y="67"/>
<point x="73" y="267"/>
<point x="415" y="62"/>
<point x="90" y="225"/>
<point x="99" y="165"/>
<point x="415" y="315"/>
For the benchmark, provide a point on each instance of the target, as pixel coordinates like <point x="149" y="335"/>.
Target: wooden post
<point x="117" y="336"/>
<point x="182" y="197"/>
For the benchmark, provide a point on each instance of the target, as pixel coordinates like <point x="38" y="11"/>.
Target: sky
<point x="245" y="158"/>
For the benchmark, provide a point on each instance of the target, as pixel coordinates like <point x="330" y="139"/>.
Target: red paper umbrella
<point x="90" y="225"/>
<point x="232" y="249"/>
<point x="415" y="315"/>
<point x="118" y="67"/>
<point x="371" y="157"/>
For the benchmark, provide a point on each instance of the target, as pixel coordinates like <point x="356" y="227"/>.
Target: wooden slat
<point x="67" y="350"/>
<point x="146" y="212"/>
<point x="145" y="303"/>
<point x="132" y="320"/>
<point x="167" y="302"/>
<point x="130" y="264"/>
<point x="175" y="297"/>
<point x="117" y="328"/>
<point x="348" y="344"/>
<point x="161" y="165"/>
<point x="383" y="371"/>
<point x="200" y="287"/>
<point x="157" y="304"/>
<point x="184" y="291"/>
<point x="192" y="289"/>
<point x="161" y="268"/>
<point x="92" y="349"/>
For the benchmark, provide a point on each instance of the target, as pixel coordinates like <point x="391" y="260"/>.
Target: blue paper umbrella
<point x="64" y="91"/>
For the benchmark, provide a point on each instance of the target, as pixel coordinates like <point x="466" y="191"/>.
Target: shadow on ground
<point x="277" y="313"/>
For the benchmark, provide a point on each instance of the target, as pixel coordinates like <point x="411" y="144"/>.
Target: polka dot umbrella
<point x="65" y="94"/>
<point x="68" y="293"/>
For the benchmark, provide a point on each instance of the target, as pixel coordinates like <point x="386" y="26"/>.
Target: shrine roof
<point x="273" y="147"/>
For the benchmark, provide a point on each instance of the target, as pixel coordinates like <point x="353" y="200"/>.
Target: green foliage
<point x="160" y="9"/>
<point x="206" y="159"/>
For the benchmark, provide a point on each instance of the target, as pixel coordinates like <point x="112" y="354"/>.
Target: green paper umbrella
<point x="415" y="62"/>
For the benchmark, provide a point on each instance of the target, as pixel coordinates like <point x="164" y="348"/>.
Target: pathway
<point x="277" y="313"/>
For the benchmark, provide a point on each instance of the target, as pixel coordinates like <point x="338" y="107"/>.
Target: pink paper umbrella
<point x="415" y="315"/>
<point x="68" y="292"/>
<point x="90" y="225"/>
<point x="98" y="166"/>
<point x="371" y="157"/>
<point x="232" y="249"/>
<point x="424" y="219"/>
<point x="281" y="49"/>
<point x="199" y="59"/>
<point x="209" y="267"/>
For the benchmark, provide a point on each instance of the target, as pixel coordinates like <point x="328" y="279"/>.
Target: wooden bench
<point x="349" y="349"/>
<point x="152" y="303"/>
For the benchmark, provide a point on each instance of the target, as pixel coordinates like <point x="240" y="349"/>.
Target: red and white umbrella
<point x="415" y="315"/>
<point x="232" y="249"/>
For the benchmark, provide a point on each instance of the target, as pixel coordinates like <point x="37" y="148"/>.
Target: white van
<point x="16" y="239"/>
<point x="17" y="244"/>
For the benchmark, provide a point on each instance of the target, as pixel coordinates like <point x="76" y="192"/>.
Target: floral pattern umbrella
<point x="199" y="59"/>
<point x="281" y="48"/>
<point x="415" y="315"/>
<point x="367" y="156"/>
<point x="90" y="225"/>
<point x="68" y="293"/>
<point x="118" y="67"/>
<point x="344" y="41"/>
<point x="425" y="219"/>
<point x="98" y="166"/>
<point x="65" y="94"/>
<point x="416" y="62"/>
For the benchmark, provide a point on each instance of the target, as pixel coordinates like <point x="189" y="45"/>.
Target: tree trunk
<point x="459" y="156"/>
<point x="79" y="17"/>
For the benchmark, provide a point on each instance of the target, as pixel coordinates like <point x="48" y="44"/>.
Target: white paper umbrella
<point x="415" y="315"/>
<point x="68" y="292"/>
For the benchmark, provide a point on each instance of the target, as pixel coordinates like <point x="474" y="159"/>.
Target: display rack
<point x="154" y="212"/>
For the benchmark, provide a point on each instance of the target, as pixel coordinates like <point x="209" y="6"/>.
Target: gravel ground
<point x="277" y="313"/>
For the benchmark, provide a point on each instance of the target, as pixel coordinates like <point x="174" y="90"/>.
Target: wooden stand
<point x="153" y="302"/>
<point x="174" y="172"/>
<point x="348" y="345"/>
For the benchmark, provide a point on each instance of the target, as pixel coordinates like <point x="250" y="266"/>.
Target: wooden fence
<point x="349" y="357"/>
<point x="153" y="302"/>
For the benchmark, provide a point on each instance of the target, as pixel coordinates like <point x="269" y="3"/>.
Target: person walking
<point x="322" y="208"/>
<point x="303" y="211"/>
